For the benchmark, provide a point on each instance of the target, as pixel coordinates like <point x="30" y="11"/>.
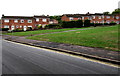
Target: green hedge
<point x="72" y="24"/>
<point x="87" y="23"/>
<point x="5" y="29"/>
<point x="53" y="26"/>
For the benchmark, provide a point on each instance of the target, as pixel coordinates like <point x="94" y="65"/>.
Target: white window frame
<point x="71" y="18"/>
<point x="37" y="19"/>
<point x="44" y="20"/>
<point x="6" y="20"/>
<point x="93" y="17"/>
<point x="16" y="21"/>
<point x="20" y="26"/>
<point x="99" y="17"/>
<point x="117" y="17"/>
<point x="108" y="17"/>
<point x="108" y="21"/>
<point x="17" y="26"/>
<point x="22" y="21"/>
<point x="29" y="21"/>
<point x="6" y="26"/>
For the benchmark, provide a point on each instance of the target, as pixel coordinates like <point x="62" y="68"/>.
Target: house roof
<point x="87" y="14"/>
<point x="18" y="17"/>
<point x="25" y="17"/>
<point x="41" y="16"/>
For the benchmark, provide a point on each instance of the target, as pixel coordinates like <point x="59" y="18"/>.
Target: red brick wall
<point x="11" y="22"/>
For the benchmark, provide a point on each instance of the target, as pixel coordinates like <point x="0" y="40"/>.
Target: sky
<point x="55" y="7"/>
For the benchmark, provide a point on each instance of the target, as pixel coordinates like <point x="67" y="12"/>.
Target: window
<point x="44" y="20"/>
<point x="89" y="18"/>
<point x="82" y="18"/>
<point x="29" y="21"/>
<point x="22" y="21"/>
<point x="93" y="17"/>
<point x="117" y="22"/>
<point x="17" y="26"/>
<point x="103" y="16"/>
<point x="99" y="17"/>
<point x="6" y="26"/>
<point x="108" y="17"/>
<point x="108" y="21"/>
<point x="71" y="18"/>
<point x="117" y="17"/>
<point x="15" y="21"/>
<point x="37" y="19"/>
<point x="20" y="26"/>
<point x="6" y="20"/>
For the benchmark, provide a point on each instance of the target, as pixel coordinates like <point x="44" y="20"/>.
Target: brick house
<point x="24" y="22"/>
<point x="53" y="21"/>
<point x="94" y="18"/>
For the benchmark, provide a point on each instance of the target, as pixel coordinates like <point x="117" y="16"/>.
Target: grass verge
<point x="102" y="37"/>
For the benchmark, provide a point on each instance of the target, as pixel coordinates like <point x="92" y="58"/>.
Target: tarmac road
<point x="24" y="59"/>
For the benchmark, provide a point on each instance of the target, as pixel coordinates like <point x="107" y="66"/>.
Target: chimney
<point x="2" y="15"/>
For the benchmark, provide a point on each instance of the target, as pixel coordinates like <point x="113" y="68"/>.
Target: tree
<point x="106" y="12"/>
<point x="116" y="11"/>
<point x="56" y="17"/>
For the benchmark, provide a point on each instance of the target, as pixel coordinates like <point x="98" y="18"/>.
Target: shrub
<point x="105" y="24"/>
<point x="29" y="28"/>
<point x="5" y="29"/>
<point x="113" y="23"/>
<point x="54" y="26"/>
<point x="86" y="23"/>
<point x="72" y="24"/>
<point x="17" y="30"/>
<point x="98" y="24"/>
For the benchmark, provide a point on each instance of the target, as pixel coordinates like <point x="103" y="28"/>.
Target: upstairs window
<point x="15" y="21"/>
<point x="6" y="26"/>
<point x="99" y="17"/>
<point x="117" y="17"/>
<point x="29" y="21"/>
<point x="22" y="21"/>
<point x="44" y="20"/>
<point x="37" y="19"/>
<point x="71" y="18"/>
<point x="93" y="17"/>
<point x="108" y="17"/>
<point x="6" y="20"/>
<point x="82" y="18"/>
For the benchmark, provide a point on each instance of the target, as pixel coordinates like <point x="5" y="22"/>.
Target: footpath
<point x="95" y="53"/>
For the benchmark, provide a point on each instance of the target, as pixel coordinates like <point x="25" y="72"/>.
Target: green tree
<point x="106" y="12"/>
<point x="116" y="11"/>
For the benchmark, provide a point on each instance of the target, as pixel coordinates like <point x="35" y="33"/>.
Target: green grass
<point x="102" y="37"/>
<point x="27" y="33"/>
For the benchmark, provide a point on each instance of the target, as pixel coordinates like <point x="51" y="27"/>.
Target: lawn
<point x="102" y="37"/>
<point x="27" y="33"/>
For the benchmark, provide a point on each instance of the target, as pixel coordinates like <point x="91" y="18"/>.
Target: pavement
<point x="23" y="59"/>
<point x="96" y="53"/>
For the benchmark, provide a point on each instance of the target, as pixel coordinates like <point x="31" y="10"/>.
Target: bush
<point x="113" y="23"/>
<point x="5" y="29"/>
<point x="17" y="30"/>
<point x="87" y="23"/>
<point x="92" y="24"/>
<point x="72" y="24"/>
<point x="53" y="26"/>
<point x="105" y="24"/>
<point x="29" y="28"/>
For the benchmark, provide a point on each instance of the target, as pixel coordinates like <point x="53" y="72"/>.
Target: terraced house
<point x="94" y="18"/>
<point x="24" y="22"/>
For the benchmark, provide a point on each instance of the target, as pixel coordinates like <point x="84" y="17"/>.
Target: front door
<point x="25" y="28"/>
<point x="12" y="27"/>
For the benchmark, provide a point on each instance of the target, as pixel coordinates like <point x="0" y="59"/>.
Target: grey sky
<point x="55" y="7"/>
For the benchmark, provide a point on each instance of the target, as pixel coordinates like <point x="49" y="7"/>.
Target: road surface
<point x="24" y="59"/>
